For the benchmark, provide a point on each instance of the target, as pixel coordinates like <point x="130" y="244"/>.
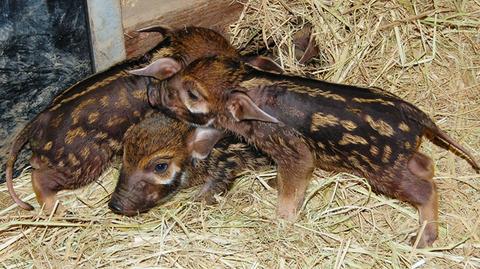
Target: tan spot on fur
<point x="320" y="120"/>
<point x="380" y="126"/>
<point x="93" y="117"/>
<point x="348" y="125"/>
<point x="74" y="133"/>
<point x="256" y="83"/>
<point x="328" y="159"/>
<point x="136" y="113"/>
<point x="399" y="161"/>
<point x="369" y="162"/>
<point x="122" y="101"/>
<point x="56" y="122"/>
<point x="48" y="146"/>
<point x="115" y="120"/>
<point x="139" y="94"/>
<point x="76" y="113"/>
<point x="59" y="153"/>
<point x="85" y="152"/>
<point x="44" y="159"/>
<point x="313" y="92"/>
<point x="104" y="101"/>
<point x="236" y="147"/>
<point x="387" y="153"/>
<point x="354" y="110"/>
<point x="374" y="150"/>
<point x="77" y="173"/>
<point x="333" y="96"/>
<point x="61" y="164"/>
<point x="114" y="144"/>
<point x="352" y="139"/>
<point x="101" y="135"/>
<point x="73" y="159"/>
<point x="407" y="145"/>
<point x="356" y="163"/>
<point x="404" y="127"/>
<point x="321" y="145"/>
<point x="164" y="52"/>
<point x="376" y="100"/>
<point x="231" y="159"/>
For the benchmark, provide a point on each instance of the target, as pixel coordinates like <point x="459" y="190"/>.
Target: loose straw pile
<point x="428" y="54"/>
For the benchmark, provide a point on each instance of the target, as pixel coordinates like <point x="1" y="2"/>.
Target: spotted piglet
<point x="304" y="123"/>
<point x="157" y="163"/>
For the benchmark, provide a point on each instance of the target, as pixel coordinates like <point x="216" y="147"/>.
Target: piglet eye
<point x="192" y="95"/>
<point x="161" y="167"/>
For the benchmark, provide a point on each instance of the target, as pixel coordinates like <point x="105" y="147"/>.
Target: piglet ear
<point x="160" y="69"/>
<point x="263" y="63"/>
<point x="306" y="47"/>
<point x="243" y="108"/>
<point x="162" y="29"/>
<point x="202" y="141"/>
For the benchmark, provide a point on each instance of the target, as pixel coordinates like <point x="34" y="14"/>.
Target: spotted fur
<point x="166" y="140"/>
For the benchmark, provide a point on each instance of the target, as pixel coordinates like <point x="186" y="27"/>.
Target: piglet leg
<point x="292" y="181"/>
<point x="45" y="186"/>
<point x="422" y="193"/>
<point x="428" y="213"/>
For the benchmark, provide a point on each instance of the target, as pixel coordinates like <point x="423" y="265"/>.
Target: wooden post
<point x="106" y="33"/>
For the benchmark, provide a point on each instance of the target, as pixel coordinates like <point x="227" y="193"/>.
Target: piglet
<point x="304" y="123"/>
<point x="157" y="163"/>
<point x="75" y="138"/>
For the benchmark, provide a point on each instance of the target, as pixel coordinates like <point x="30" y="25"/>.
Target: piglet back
<point x="345" y="118"/>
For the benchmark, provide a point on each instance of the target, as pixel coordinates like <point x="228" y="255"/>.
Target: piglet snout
<point x="115" y="206"/>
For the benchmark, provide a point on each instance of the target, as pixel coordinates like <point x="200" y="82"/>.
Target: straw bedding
<point x="427" y="53"/>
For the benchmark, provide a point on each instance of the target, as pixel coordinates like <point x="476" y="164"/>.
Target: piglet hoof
<point x="58" y="211"/>
<point x="287" y="214"/>
<point x="426" y="238"/>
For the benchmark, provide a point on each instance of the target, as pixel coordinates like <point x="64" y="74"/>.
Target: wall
<point x="44" y="48"/>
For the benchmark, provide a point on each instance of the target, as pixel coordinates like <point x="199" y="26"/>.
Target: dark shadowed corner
<point x="44" y="48"/>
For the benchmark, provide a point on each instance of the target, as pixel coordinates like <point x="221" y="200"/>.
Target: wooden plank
<point x="137" y="14"/>
<point x="106" y="33"/>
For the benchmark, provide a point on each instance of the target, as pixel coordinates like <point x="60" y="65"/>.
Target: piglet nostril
<point x="115" y="207"/>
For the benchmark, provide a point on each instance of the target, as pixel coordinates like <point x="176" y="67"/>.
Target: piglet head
<point x="180" y="47"/>
<point x="156" y="162"/>
<point x="208" y="89"/>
